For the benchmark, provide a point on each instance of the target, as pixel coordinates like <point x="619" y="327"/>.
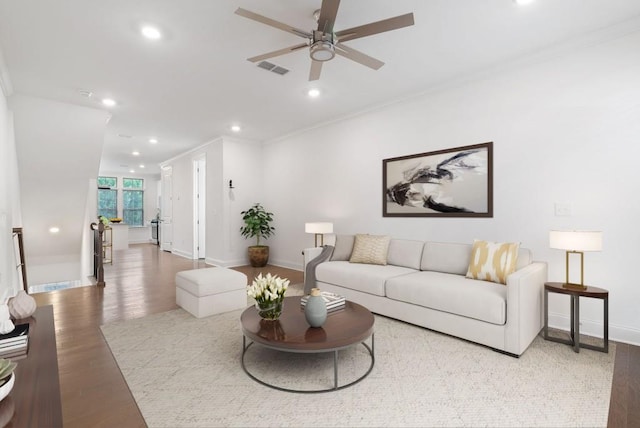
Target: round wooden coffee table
<point x="291" y="333"/>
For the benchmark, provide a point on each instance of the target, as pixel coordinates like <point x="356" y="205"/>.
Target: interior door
<point x="166" y="210"/>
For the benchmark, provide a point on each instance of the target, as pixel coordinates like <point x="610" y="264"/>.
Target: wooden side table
<point x="575" y="293"/>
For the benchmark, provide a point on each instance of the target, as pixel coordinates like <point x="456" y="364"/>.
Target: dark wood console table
<point x="34" y="400"/>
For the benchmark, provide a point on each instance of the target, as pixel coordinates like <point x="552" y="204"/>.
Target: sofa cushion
<point x="481" y="300"/>
<point x="446" y="257"/>
<point x="370" y="249"/>
<point x="361" y="277"/>
<point x="343" y="247"/>
<point x="492" y="261"/>
<point x="403" y="252"/>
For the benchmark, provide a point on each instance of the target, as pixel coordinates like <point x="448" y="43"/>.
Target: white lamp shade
<point x="318" y="227"/>
<point x="576" y="240"/>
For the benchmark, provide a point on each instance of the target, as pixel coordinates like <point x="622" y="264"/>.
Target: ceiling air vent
<point x="272" y="67"/>
<point x="280" y="70"/>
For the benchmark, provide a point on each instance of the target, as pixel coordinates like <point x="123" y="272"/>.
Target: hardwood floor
<point x="141" y="282"/>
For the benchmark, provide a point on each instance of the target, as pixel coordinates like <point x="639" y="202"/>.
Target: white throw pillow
<point x="370" y="249"/>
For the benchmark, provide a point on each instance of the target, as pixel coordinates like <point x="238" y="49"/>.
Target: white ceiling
<point x="189" y="87"/>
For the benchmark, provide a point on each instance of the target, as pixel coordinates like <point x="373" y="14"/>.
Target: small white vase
<point x="22" y="305"/>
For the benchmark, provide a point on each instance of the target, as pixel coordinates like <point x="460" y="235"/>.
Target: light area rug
<point x="186" y="372"/>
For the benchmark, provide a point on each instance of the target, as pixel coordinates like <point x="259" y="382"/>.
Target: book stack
<point x="333" y="301"/>
<point x="15" y="343"/>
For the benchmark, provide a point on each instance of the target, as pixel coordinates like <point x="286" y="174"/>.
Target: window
<point x="107" y="197"/>
<point x="133" y="201"/>
<point x="107" y="182"/>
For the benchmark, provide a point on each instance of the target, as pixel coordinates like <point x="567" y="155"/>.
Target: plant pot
<point x="259" y="255"/>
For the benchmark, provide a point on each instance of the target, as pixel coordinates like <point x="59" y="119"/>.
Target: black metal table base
<point x="336" y="387"/>
<point x="574" y="340"/>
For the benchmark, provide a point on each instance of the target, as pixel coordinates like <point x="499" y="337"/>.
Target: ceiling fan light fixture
<point x="322" y="50"/>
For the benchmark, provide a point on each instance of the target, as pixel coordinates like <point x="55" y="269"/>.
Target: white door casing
<point x="199" y="207"/>
<point x="166" y="210"/>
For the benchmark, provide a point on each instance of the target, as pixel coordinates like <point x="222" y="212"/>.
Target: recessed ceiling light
<point x="314" y="93"/>
<point x="153" y="140"/>
<point x="522" y="2"/>
<point x="135" y="153"/>
<point x="132" y="171"/>
<point x="54" y="229"/>
<point x="141" y="166"/>
<point x="150" y="32"/>
<point x="108" y="102"/>
<point x="235" y="128"/>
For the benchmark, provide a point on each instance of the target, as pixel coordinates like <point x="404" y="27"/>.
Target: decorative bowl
<point x="7" y="387"/>
<point x="115" y="220"/>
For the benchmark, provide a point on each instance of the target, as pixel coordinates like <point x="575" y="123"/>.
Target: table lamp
<point x="575" y="242"/>
<point x="319" y="229"/>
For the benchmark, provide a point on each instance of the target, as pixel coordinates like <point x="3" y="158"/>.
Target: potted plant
<point x="257" y="224"/>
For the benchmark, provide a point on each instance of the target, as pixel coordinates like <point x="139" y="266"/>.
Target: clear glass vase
<point x="270" y="310"/>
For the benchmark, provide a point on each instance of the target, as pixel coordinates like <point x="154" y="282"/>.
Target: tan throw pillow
<point x="492" y="261"/>
<point x="370" y="249"/>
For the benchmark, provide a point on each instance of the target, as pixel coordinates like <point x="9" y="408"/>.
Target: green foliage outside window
<point x="132" y="183"/>
<point x="133" y="204"/>
<point x="108" y="203"/>
<point x="107" y="182"/>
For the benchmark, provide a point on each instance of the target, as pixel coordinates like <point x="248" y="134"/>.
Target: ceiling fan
<point x="323" y="43"/>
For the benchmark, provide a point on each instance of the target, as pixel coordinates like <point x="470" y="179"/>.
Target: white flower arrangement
<point x="268" y="289"/>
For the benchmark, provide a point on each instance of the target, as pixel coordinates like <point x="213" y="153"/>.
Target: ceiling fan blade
<point x="375" y="27"/>
<point x="328" y="12"/>
<point x="358" y="56"/>
<point x="278" y="52"/>
<point x="273" y="23"/>
<point x="316" y="68"/>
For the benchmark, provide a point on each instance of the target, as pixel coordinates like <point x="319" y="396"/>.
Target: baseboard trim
<point x="224" y="263"/>
<point x="617" y="333"/>
<point x="286" y="264"/>
<point x="185" y="254"/>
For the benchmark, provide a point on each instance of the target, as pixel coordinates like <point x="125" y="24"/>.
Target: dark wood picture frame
<point x="456" y="182"/>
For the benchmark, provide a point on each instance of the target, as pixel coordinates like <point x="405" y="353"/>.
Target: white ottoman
<point x="204" y="292"/>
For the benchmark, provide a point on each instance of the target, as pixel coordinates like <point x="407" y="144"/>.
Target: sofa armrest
<point x="525" y="289"/>
<point x="310" y="254"/>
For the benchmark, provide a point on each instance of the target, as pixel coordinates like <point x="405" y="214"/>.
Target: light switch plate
<point x="563" y="209"/>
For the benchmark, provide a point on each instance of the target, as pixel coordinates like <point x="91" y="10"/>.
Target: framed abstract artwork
<point x="455" y="182"/>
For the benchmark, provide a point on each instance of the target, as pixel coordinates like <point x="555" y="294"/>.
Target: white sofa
<point x="424" y="283"/>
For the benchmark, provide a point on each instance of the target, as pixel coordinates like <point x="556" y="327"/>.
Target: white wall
<point x="566" y="130"/>
<point x="243" y="164"/>
<point x="226" y="159"/>
<point x="58" y="148"/>
<point x="9" y="202"/>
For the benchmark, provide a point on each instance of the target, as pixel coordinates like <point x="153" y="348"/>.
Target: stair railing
<point x="98" y="255"/>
